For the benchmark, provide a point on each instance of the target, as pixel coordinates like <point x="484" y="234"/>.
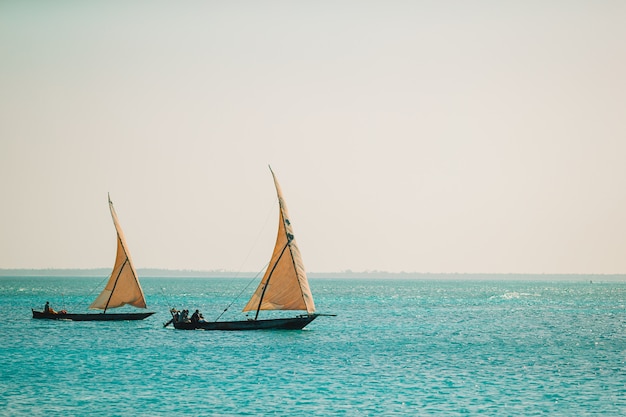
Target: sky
<point x="407" y="136"/>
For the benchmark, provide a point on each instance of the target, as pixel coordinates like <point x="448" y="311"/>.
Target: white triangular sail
<point x="123" y="286"/>
<point x="284" y="285"/>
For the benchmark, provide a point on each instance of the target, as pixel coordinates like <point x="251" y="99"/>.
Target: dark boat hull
<point x="91" y="317"/>
<point x="295" y="323"/>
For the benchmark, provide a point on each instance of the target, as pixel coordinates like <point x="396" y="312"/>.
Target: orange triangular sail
<point x="284" y="285"/>
<point x="123" y="286"/>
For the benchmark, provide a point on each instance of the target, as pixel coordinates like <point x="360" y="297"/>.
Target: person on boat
<point x="174" y="318"/>
<point x="184" y="316"/>
<point x="195" y="317"/>
<point x="47" y="309"/>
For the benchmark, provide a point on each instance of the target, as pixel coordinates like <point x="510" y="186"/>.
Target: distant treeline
<point x="183" y="273"/>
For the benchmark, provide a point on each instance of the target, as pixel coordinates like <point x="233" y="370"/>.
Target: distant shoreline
<point x="168" y="273"/>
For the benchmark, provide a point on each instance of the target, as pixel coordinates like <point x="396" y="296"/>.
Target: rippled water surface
<point x="396" y="347"/>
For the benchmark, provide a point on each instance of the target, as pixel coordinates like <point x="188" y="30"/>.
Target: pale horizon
<point x="426" y="137"/>
<point x="143" y="273"/>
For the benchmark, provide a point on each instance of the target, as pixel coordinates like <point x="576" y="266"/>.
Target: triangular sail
<point x="123" y="286"/>
<point x="285" y="285"/>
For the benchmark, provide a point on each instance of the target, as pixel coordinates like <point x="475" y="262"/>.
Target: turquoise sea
<point x="396" y="347"/>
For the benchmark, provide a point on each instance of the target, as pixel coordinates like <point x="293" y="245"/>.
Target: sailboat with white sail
<point x="122" y="288"/>
<point x="284" y="286"/>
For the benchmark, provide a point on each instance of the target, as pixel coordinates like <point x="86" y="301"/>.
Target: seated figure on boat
<point x="47" y="309"/>
<point x="184" y="316"/>
<point x="195" y="317"/>
<point x="175" y="315"/>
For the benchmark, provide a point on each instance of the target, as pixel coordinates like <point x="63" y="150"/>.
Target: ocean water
<point x="396" y="347"/>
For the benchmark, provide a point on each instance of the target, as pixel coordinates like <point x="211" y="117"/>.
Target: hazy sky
<point x="421" y="136"/>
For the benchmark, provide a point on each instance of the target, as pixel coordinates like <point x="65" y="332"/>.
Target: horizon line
<point x="343" y="272"/>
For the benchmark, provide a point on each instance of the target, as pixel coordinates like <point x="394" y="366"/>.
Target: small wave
<point x="510" y="295"/>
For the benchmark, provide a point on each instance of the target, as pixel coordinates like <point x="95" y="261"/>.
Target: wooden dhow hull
<point x="91" y="316"/>
<point x="294" y="323"/>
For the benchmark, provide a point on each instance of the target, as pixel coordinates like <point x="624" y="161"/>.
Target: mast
<point x="114" y="285"/>
<point x="267" y="283"/>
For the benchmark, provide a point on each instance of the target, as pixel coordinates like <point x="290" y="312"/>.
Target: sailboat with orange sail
<point x="284" y="286"/>
<point x="122" y="288"/>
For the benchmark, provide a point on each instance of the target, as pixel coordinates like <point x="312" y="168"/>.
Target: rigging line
<point x="82" y="301"/>
<point x="241" y="292"/>
<point x="167" y="299"/>
<point x="256" y="241"/>
<point x="267" y="216"/>
<point x="172" y="309"/>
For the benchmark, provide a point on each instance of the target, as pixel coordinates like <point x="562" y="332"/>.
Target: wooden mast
<point x="267" y="283"/>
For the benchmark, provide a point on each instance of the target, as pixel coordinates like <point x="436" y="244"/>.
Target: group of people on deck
<point x="183" y="316"/>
